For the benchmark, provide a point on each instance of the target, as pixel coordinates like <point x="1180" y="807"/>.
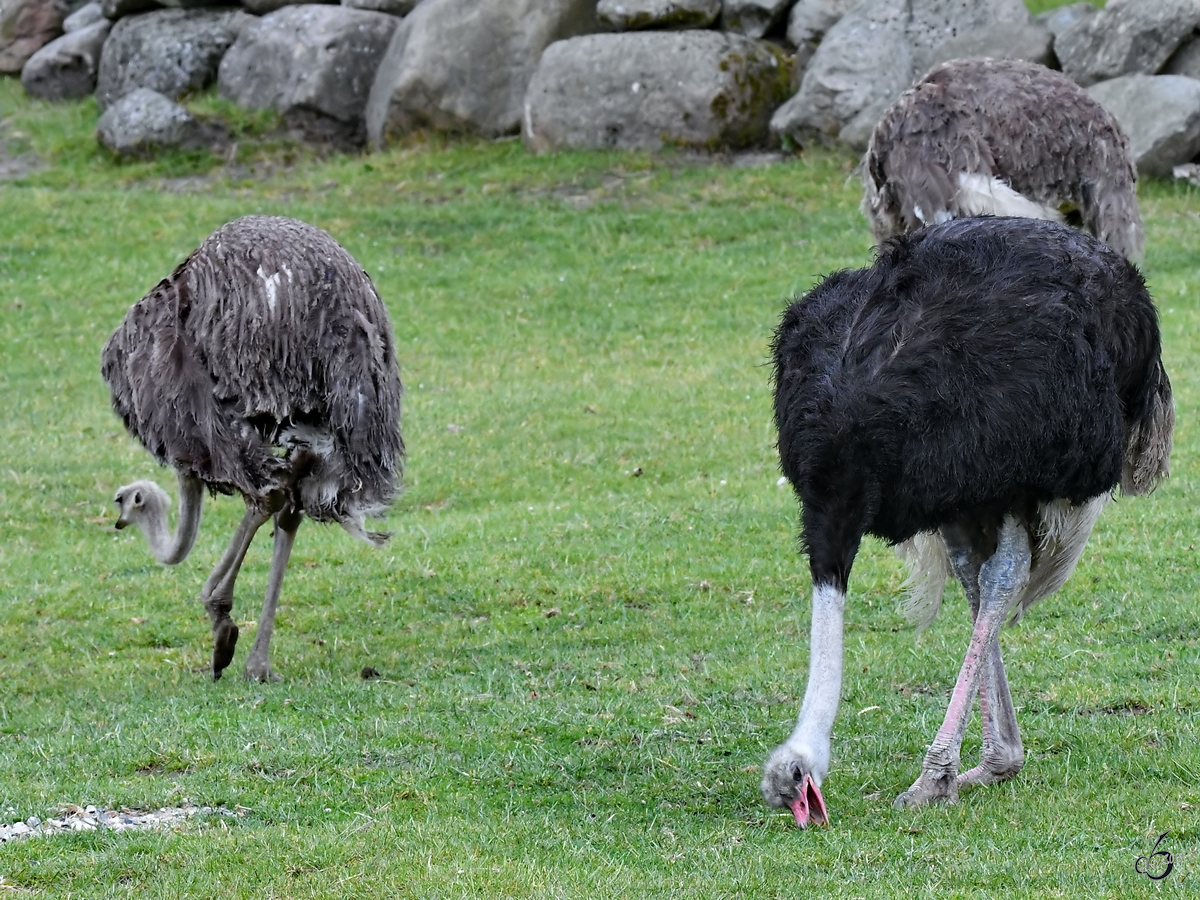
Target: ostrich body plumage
<point x="264" y="365"/>
<point x="985" y="385"/>
<point x="1001" y="137"/>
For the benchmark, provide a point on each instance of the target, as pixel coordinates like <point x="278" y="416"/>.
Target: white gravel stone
<point x="91" y="818"/>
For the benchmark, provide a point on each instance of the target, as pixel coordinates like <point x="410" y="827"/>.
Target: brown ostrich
<point x="1001" y="137"/>
<point x="264" y="365"/>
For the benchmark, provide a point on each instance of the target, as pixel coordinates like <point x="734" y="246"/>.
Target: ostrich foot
<point x="930" y="787"/>
<point x="225" y="635"/>
<point x="991" y="771"/>
<point x="259" y="670"/>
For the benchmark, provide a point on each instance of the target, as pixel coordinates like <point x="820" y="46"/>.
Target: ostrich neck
<point x="168" y="548"/>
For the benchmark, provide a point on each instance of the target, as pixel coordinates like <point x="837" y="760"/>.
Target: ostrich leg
<point x="258" y="663"/>
<point x="1002" y="755"/>
<point x="217" y="592"/>
<point x="1001" y="578"/>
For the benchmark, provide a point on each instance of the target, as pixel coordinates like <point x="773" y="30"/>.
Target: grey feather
<point x="266" y="362"/>
<point x="1028" y="127"/>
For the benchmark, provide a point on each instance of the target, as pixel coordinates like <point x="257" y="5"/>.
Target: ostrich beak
<point x="121" y="523"/>
<point x="810" y="805"/>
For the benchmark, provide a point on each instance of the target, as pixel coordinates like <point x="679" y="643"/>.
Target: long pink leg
<point x="1001" y="578"/>
<point x="1002" y="754"/>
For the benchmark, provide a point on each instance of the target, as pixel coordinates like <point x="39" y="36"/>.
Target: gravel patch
<point x="89" y="818"/>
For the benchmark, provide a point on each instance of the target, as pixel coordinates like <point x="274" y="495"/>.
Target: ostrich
<point x="263" y="365"/>
<point x="1000" y="137"/>
<point x="986" y="384"/>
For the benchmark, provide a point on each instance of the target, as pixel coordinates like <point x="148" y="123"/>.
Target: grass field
<point x="583" y="667"/>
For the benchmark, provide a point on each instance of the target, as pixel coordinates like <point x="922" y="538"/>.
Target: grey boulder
<point x="1062" y="18"/>
<point x="391" y="7"/>
<point x="1161" y="115"/>
<point x="642" y="90"/>
<point x="464" y="65"/>
<point x="88" y="14"/>
<point x="144" y="121"/>
<point x="632" y="15"/>
<point x="1127" y="37"/>
<point x="1004" y="40"/>
<point x="119" y="9"/>
<point x="809" y="20"/>
<point x="871" y="55"/>
<point x="1185" y="60"/>
<point x="26" y="26"/>
<point x="65" y="69"/>
<point x="753" y="18"/>
<point x="262" y="7"/>
<point x="314" y="64"/>
<point x="172" y="51"/>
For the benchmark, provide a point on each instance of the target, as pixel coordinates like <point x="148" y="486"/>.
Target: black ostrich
<point x="1001" y="137"/>
<point x="986" y="384"/>
<point x="264" y="365"/>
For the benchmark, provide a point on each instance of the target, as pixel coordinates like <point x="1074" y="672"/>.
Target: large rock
<point x="262" y="7"/>
<point x="1004" y="40"/>
<point x="1185" y="60"/>
<point x="1161" y="115"/>
<point x="464" y="65"/>
<point x="1062" y="18"/>
<point x="809" y="20"/>
<point x="807" y="25"/>
<point x="391" y="7"/>
<point x="144" y="121"/>
<point x="65" y="69"/>
<point x="88" y="14"/>
<point x="872" y="54"/>
<point x="119" y="9"/>
<point x="633" y="15"/>
<point x="753" y="18"/>
<point x="702" y="89"/>
<point x="173" y="51"/>
<point x="315" y="64"/>
<point x="1127" y="37"/>
<point x="26" y="26"/>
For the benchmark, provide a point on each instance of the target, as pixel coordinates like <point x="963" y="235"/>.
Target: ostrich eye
<point x="797" y="773"/>
<point x="137" y="498"/>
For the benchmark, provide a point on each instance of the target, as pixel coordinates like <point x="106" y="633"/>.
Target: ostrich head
<point x="145" y="504"/>
<point x="792" y="778"/>
<point x="142" y="503"/>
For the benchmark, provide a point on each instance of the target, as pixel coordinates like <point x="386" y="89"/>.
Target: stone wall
<point x="706" y="74"/>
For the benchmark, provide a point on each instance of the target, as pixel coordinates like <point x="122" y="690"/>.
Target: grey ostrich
<point x="987" y="383"/>
<point x="264" y="365"/>
<point x="1001" y="137"/>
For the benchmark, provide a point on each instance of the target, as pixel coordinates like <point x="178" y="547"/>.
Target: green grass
<point x="582" y="668"/>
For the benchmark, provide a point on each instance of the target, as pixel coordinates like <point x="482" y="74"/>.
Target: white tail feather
<point x="1065" y="531"/>
<point x="984" y="195"/>
<point x="928" y="565"/>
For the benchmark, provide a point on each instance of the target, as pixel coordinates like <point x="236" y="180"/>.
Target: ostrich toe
<point x="225" y="635"/>
<point x="929" y="788"/>
<point x="260" y="671"/>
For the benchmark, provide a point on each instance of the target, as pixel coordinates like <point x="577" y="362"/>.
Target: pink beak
<point x="810" y="805"/>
